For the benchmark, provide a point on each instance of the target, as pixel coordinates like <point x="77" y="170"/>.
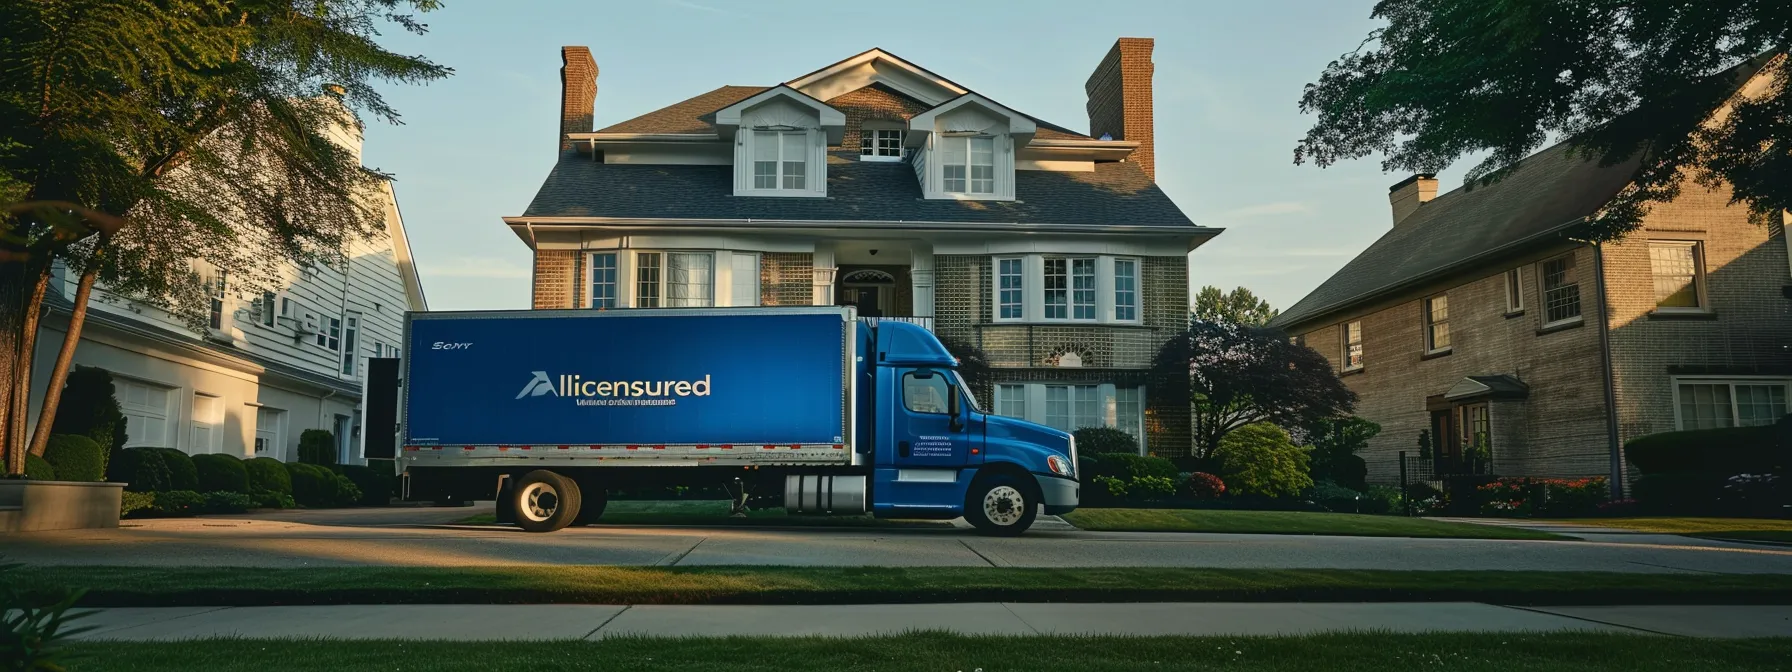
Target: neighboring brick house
<point x="876" y="183"/>
<point x="1480" y="318"/>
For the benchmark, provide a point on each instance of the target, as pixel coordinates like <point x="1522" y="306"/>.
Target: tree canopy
<point x="1238" y="306"/>
<point x="1619" y="79"/>
<point x="1239" y="375"/>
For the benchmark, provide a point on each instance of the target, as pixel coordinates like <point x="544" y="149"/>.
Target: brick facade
<point x="556" y="279"/>
<point x="786" y="279"/>
<point x="1120" y="102"/>
<point x="578" y="92"/>
<point x="875" y="102"/>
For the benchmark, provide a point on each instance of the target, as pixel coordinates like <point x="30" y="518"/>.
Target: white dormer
<point x="965" y="148"/>
<point x="780" y="137"/>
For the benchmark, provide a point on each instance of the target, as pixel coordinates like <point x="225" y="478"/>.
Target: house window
<point x="146" y="412"/>
<point x="1679" y="281"/>
<point x="331" y="335"/>
<point x="780" y="160"/>
<point x="1127" y="413"/>
<point x="1057" y="289"/>
<point x="745" y="290"/>
<point x="1353" y="345"/>
<point x="1072" y="407"/>
<point x="350" y="357"/>
<point x="267" y="431"/>
<point x="1561" y="291"/>
<point x="1437" y="323"/>
<point x="1514" y="293"/>
<point x="208" y="415"/>
<point x="1010" y="288"/>
<point x="214" y="289"/>
<point x="1709" y="404"/>
<point x="1011" y="401"/>
<point x="647" y="280"/>
<point x="880" y="144"/>
<point x="264" y="309"/>
<point x="674" y="279"/>
<point x="1082" y="283"/>
<point x="1070" y="288"/>
<point x="1126" y="290"/>
<point x="968" y="164"/>
<point x="603" y="280"/>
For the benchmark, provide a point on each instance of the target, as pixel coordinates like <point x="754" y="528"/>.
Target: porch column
<point x="920" y="278"/>
<point x="824" y="271"/>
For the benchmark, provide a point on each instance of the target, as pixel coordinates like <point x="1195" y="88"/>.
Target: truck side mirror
<point x="953" y="409"/>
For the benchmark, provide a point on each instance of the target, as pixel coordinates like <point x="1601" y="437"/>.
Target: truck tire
<point x="544" y="501"/>
<point x="1001" y="505"/>
<point x="592" y="501"/>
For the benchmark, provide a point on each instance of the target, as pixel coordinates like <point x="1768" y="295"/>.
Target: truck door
<point x="927" y="433"/>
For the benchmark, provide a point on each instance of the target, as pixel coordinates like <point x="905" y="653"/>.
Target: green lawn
<point x="715" y="512"/>
<point x="1744" y="529"/>
<point x="1287" y="522"/>
<point x="595" y="584"/>
<point x="943" y="651"/>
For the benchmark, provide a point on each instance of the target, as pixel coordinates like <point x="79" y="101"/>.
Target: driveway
<point x="426" y="536"/>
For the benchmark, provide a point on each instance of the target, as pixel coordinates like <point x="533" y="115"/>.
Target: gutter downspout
<point x="1611" y="393"/>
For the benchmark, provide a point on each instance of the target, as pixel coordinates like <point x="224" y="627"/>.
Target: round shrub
<point x="182" y="475"/>
<point x="76" y="458"/>
<point x="1103" y="440"/>
<point x="179" y="502"/>
<point x="273" y="500"/>
<point x="140" y="469"/>
<point x="375" y="487"/>
<point x="228" y="502"/>
<point x="221" y="473"/>
<point x="1260" y="459"/>
<point x="39" y="469"/>
<point x="317" y="446"/>
<point x="267" y="474"/>
<point x="315" y="486"/>
<point x="1202" y="486"/>
<point x="135" y="501"/>
<point x="1726" y="450"/>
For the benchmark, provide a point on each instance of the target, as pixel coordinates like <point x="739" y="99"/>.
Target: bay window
<point x="1126" y="290"/>
<point x="668" y="279"/>
<point x="968" y="164"/>
<point x="1073" y="406"/>
<point x="1054" y="288"/>
<point x="603" y="280"/>
<point x="1010" y="297"/>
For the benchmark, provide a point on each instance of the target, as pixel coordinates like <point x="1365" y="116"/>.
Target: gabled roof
<point x="688" y="115"/>
<point x="1113" y="194"/>
<point x="1542" y="197"/>
<point x="1498" y="386"/>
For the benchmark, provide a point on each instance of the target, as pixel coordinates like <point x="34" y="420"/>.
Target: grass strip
<point x="1369" y="652"/>
<point x="1738" y="529"/>
<point x="245" y="586"/>
<point x="1289" y="522"/>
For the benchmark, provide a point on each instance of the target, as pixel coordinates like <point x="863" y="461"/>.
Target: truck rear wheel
<point x="544" y="501"/>
<point x="1001" y="505"/>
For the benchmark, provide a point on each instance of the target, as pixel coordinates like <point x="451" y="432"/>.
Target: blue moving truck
<point x="546" y="411"/>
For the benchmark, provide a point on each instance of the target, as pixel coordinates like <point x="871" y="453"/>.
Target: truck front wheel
<point x="1001" y="505"/>
<point x="544" y="501"/>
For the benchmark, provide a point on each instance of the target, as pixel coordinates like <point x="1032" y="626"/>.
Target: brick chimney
<point x="1410" y="193"/>
<point x="578" y="92"/>
<point x="1120" y="98"/>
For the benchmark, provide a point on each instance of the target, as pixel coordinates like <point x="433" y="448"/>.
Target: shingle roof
<point x="1549" y="191"/>
<point x="1115" y="193"/>
<point x="686" y="116"/>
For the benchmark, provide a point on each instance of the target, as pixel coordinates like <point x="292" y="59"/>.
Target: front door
<point x="1444" y="439"/>
<point x="871" y="300"/>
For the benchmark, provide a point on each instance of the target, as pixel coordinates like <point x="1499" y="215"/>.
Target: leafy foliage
<point x="1451" y="78"/>
<point x="228" y="502"/>
<point x="34" y="622"/>
<point x="1202" y="486"/>
<point x="179" y="503"/>
<point x="1725" y="450"/>
<point x="76" y="458"/>
<point x="317" y="446"/>
<point x="273" y="500"/>
<point x="131" y="502"/>
<point x="1238" y="306"/>
<point x="1260" y="459"/>
<point x="1100" y="440"/>
<point x="221" y="473"/>
<point x="1335" y="443"/>
<point x="1336" y="498"/>
<point x="89" y="407"/>
<point x="973" y="364"/>
<point x="1238" y="376"/>
<point x="140" y="469"/>
<point x="318" y="487"/>
<point x="39" y="469"/>
<point x="267" y="474"/>
<point x="182" y="475"/>
<point x="375" y="487"/>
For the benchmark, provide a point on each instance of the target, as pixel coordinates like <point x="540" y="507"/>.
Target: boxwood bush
<point x="267" y="474"/>
<point x="135" y="501"/>
<point x="39" y="469"/>
<point x="375" y="487"/>
<point x="140" y="469"/>
<point x="1725" y="450"/>
<point x="221" y="473"/>
<point x="179" y="503"/>
<point x="228" y="502"/>
<point x="317" y="446"/>
<point x="1103" y="440"/>
<point x="182" y="475"/>
<point x="76" y="458"/>
<point x="315" y="486"/>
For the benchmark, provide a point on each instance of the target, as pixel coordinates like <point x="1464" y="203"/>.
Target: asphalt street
<point x="427" y="537"/>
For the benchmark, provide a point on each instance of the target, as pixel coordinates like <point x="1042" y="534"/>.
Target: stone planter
<point x="29" y="506"/>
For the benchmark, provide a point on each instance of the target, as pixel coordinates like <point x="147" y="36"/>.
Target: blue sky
<point x="473" y="148"/>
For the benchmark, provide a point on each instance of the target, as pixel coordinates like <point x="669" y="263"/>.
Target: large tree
<point x="1238" y="306"/>
<point x="1238" y="375"/>
<point x="1618" y="78"/>
<point x="213" y="128"/>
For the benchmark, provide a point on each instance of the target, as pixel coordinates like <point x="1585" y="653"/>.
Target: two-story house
<point x="266" y="366"/>
<point x="1483" y="319"/>
<point x="877" y="183"/>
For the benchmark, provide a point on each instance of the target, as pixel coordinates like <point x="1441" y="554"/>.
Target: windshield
<point x="969" y="398"/>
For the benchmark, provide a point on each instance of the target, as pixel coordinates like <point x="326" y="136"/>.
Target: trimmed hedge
<point x="1105" y="440"/>
<point x="140" y="469"/>
<point x="135" y="501"/>
<point x="228" y="502"/>
<point x="76" y="458"/>
<point x="39" y="469"/>
<point x="317" y="446"/>
<point x="315" y="486"/>
<point x="182" y="475"/>
<point x="219" y="472"/>
<point x="1726" y="450"/>
<point x="267" y="474"/>
<point x="375" y="487"/>
<point x="179" y="503"/>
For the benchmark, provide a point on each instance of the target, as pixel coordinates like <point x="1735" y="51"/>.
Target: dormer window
<point x="968" y="164"/>
<point x="780" y="160"/>
<point x="879" y="144"/>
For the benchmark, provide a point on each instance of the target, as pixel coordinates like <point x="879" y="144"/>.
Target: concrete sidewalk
<point x="568" y="621"/>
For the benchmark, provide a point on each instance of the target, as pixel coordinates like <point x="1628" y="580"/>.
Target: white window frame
<point x="970" y="166"/>
<point x="1571" y="277"/>
<point x="329" y="333"/>
<point x="743" y="282"/>
<point x="1344" y="336"/>
<point x="351" y="333"/>
<point x="1695" y="248"/>
<point x="1035" y="399"/>
<point x="1126" y="300"/>
<point x="1674" y="383"/>
<point x="1018" y="292"/>
<point x="134" y="428"/>
<point x="275" y="446"/>
<point x="615" y="282"/>
<point x="1074" y="306"/>
<point x="876" y="141"/>
<point x="779" y="176"/>
<point x="216" y="285"/>
<point x="1514" y="285"/>
<point x="663" y="281"/>
<point x="1091" y="291"/>
<point x="1432" y="323"/>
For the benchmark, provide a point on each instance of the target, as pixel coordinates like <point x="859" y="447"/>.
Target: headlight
<point x="1059" y="465"/>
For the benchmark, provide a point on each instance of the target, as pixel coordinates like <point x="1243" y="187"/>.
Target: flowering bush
<point x="1202" y="485"/>
<point x="1523" y="497"/>
<point x="1151" y="487"/>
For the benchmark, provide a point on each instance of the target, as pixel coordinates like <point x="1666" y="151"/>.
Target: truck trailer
<point x="548" y="411"/>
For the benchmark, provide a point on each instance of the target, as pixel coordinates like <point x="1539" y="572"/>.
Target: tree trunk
<point x="21" y="400"/>
<point x="12" y="318"/>
<point x="46" y="417"/>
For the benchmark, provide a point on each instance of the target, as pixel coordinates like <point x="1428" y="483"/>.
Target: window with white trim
<point x="214" y="288"/>
<point x="1679" y="275"/>
<point x="1011" y="401"/>
<point x="968" y="164"/>
<point x="1353" y="345"/>
<point x="780" y="160"/>
<point x="351" y="355"/>
<point x="674" y="279"/>
<point x="880" y="144"/>
<point x="1126" y="290"/>
<point x="146" y="412"/>
<point x="1514" y="292"/>
<point x="603" y="280"/>
<point x="1127" y="412"/>
<point x="1010" y="288"/>
<point x="1707" y="404"/>
<point x="745" y="278"/>
<point x="1437" y="323"/>
<point x="267" y="431"/>
<point x="1561" y="291"/>
<point x="330" y="336"/>
<point x="1073" y="406"/>
<point x="1064" y="288"/>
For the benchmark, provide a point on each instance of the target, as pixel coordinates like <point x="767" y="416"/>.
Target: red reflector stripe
<point x="565" y="447"/>
<point x="727" y="446"/>
<point x="659" y="447"/>
<point x="634" y="447"/>
<point x="838" y="446"/>
<point x="702" y="446"/>
<point x="795" y="447"/>
<point x="467" y="447"/>
<point x="769" y="447"/>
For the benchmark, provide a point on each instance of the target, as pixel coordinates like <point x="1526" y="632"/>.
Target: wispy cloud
<point x="1267" y="210"/>
<point x="476" y="267"/>
<point x="689" y="4"/>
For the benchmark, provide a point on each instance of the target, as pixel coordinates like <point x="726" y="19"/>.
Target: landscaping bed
<point x="944" y="651"/>
<point x="592" y="584"/>
<point x="1289" y="522"/>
